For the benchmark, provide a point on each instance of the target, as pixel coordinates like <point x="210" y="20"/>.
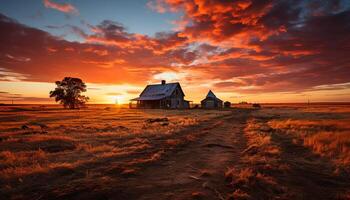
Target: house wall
<point x="211" y="103"/>
<point x="150" y="104"/>
<point x="177" y="99"/>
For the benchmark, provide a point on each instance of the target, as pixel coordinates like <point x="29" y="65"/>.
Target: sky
<point x="264" y="51"/>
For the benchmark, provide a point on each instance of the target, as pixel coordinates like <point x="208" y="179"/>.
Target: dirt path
<point x="196" y="170"/>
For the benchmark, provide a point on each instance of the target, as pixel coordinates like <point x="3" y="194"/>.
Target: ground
<point x="290" y="151"/>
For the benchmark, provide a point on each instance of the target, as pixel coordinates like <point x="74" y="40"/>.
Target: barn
<point x="211" y="101"/>
<point x="164" y="95"/>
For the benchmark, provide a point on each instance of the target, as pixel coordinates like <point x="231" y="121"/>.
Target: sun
<point x="118" y="100"/>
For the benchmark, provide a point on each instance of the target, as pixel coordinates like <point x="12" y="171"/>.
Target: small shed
<point x="164" y="95"/>
<point x="211" y="101"/>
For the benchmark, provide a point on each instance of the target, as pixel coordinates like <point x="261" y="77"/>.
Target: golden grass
<point x="20" y="171"/>
<point x="275" y="132"/>
<point x="329" y="138"/>
<point x="259" y="141"/>
<point x="95" y="149"/>
<point x="260" y="156"/>
<point x="173" y="142"/>
<point x="91" y="142"/>
<point x="334" y="145"/>
<point x="71" y="138"/>
<point x="21" y="158"/>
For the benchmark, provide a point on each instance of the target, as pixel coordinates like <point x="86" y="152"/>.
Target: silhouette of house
<point x="211" y="101"/>
<point x="164" y="95"/>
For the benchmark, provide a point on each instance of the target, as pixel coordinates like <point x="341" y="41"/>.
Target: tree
<point x="68" y="92"/>
<point x="227" y="104"/>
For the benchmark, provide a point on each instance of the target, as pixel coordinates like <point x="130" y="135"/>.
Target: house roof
<point x="211" y="94"/>
<point x="158" y="91"/>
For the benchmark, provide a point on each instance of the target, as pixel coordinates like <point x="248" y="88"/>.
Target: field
<point x="290" y="151"/>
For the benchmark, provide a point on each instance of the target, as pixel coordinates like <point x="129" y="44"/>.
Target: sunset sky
<point x="261" y="51"/>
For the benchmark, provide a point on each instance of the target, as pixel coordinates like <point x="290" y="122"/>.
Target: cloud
<point x="111" y="33"/>
<point x="245" y="46"/>
<point x="228" y="84"/>
<point x="157" y="5"/>
<point x="65" y="7"/>
<point x="8" y="75"/>
<point x="268" y="45"/>
<point x="18" y="58"/>
<point x="170" y="76"/>
<point x="133" y="91"/>
<point x="8" y="97"/>
<point x="43" y="57"/>
<point x="114" y="94"/>
<point x="93" y="88"/>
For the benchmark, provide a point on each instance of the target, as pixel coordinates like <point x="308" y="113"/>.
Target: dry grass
<point x="49" y="143"/>
<point x="329" y="138"/>
<point x="260" y="159"/>
<point x="65" y="151"/>
<point x="289" y="144"/>
<point x="283" y="143"/>
<point x="21" y="171"/>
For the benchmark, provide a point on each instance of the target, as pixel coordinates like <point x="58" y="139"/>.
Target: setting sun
<point x="119" y="100"/>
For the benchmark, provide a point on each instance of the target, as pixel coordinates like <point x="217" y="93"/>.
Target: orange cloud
<point x="157" y="5"/>
<point x="111" y="33"/>
<point x="65" y="7"/>
<point x="248" y="46"/>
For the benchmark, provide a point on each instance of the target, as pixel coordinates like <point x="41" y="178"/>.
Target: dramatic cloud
<point x="269" y="45"/>
<point x="34" y="55"/>
<point x="65" y="7"/>
<point x="245" y="46"/>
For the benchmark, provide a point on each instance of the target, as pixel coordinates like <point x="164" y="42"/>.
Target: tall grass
<point x="87" y="135"/>
<point x="328" y="138"/>
<point x="259" y="159"/>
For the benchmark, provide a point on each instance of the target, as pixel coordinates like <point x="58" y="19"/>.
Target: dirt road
<point x="196" y="171"/>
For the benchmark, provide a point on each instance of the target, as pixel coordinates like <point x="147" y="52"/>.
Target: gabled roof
<point x="158" y="91"/>
<point x="211" y="95"/>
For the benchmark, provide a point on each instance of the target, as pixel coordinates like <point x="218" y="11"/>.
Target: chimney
<point x="163" y="82"/>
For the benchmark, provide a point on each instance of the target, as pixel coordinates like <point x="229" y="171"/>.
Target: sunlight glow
<point x="119" y="100"/>
<point x="170" y="76"/>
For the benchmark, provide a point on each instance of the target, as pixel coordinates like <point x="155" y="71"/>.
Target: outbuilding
<point x="211" y="101"/>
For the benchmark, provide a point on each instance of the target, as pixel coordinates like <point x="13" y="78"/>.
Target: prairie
<point x="291" y="151"/>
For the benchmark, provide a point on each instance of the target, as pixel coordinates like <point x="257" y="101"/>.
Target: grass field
<point x="293" y="151"/>
<point x="276" y="152"/>
<point x="55" y="145"/>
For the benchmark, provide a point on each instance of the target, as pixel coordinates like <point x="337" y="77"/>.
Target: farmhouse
<point x="164" y="95"/>
<point x="211" y="101"/>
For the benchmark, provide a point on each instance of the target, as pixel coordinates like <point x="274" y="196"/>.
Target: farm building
<point x="211" y="101"/>
<point x="164" y="95"/>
